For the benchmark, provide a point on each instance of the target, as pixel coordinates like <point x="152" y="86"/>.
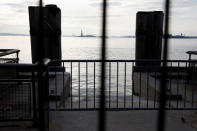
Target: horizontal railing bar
<point x="159" y="69"/>
<point x="4" y="52"/>
<point x="8" y="58"/>
<point x="18" y="66"/>
<point x="118" y="109"/>
<point x="13" y="120"/>
<point x="16" y="80"/>
<point x="141" y="60"/>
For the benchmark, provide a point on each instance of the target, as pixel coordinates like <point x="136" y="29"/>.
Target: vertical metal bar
<point x="125" y="82"/>
<point x="34" y="98"/>
<point x="40" y="100"/>
<point x="102" y="115"/>
<point x="155" y="95"/>
<point x="109" y="84"/>
<point x="177" y="102"/>
<point x="9" y="104"/>
<point x="193" y="88"/>
<point x="43" y="98"/>
<point x="94" y="84"/>
<point x="27" y="92"/>
<point x="170" y="85"/>
<point x="147" y="89"/>
<point x="56" y="99"/>
<point x="140" y="90"/>
<point x="17" y="57"/>
<point x="132" y="85"/>
<point x="117" y="86"/>
<point x="71" y="84"/>
<point x="190" y="60"/>
<point x="189" y="74"/>
<point x="20" y="97"/>
<point x="63" y="82"/>
<point x="185" y="91"/>
<point x="193" y="69"/>
<point x="42" y="125"/>
<point x="162" y="113"/>
<point x="192" y="95"/>
<point x="29" y="97"/>
<point x="79" y="93"/>
<point x="86" y="85"/>
<point x="28" y="107"/>
<point x="46" y="91"/>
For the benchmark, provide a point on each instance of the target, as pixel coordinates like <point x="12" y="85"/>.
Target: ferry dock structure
<point x="78" y="109"/>
<point x="56" y="94"/>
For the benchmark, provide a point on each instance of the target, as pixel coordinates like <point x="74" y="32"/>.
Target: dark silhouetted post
<point x="51" y="32"/>
<point x="149" y="30"/>
<point x="102" y="113"/>
<point x="162" y="102"/>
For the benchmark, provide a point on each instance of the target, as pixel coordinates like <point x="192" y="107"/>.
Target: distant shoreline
<point x="92" y="36"/>
<point x="10" y="34"/>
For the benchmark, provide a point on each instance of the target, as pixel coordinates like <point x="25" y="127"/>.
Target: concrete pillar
<point x="149" y="30"/>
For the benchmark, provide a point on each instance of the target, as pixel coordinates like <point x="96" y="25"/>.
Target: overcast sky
<point x="86" y="15"/>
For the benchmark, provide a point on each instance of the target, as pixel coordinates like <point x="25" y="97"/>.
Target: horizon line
<point x="19" y="34"/>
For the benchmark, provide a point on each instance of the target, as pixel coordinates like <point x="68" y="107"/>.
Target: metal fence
<point x="76" y="85"/>
<point x="17" y="92"/>
<point x="16" y="101"/>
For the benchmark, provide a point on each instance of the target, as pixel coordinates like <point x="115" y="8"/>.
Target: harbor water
<point x="89" y="48"/>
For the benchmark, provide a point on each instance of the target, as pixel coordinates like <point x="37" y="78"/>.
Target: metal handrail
<point x="4" y="52"/>
<point x="19" y="66"/>
<point x="141" y="60"/>
<point x="45" y="62"/>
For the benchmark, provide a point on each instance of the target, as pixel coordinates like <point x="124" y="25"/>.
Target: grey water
<point x="89" y="48"/>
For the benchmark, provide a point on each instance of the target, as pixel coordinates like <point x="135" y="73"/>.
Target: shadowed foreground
<point x="122" y="121"/>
